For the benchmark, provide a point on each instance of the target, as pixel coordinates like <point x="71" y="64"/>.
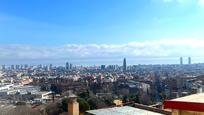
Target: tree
<point x="96" y="103"/>
<point x="125" y="99"/>
<point x="64" y="104"/>
<point x="54" y="88"/>
<point x="134" y="98"/>
<point x="109" y="100"/>
<point x="163" y="96"/>
<point x="145" y="99"/>
<point x="84" y="95"/>
<point x="53" y="109"/>
<point x="83" y="105"/>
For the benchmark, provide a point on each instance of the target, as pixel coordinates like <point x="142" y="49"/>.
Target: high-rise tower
<point x="124" y="65"/>
<point x="67" y="66"/>
<point x="181" y="60"/>
<point x="70" y="66"/>
<point x="3" y="67"/>
<point x="189" y="60"/>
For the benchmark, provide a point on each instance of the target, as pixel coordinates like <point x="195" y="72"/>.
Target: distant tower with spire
<point x="124" y="65"/>
<point x="181" y="60"/>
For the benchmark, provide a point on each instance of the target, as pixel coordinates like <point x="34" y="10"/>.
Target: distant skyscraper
<point x="45" y="67"/>
<point x="3" y="67"/>
<point x="181" y="60"/>
<point x="103" y="67"/>
<point x="70" y="66"/>
<point x="67" y="66"/>
<point x="124" y="65"/>
<point x="21" y="67"/>
<point x="50" y="67"/>
<point x="17" y="67"/>
<point x="189" y="60"/>
<point x="12" y="67"/>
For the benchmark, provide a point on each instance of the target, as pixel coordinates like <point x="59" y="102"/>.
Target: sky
<point x="88" y="32"/>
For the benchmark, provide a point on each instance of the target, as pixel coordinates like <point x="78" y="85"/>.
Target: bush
<point x="83" y="105"/>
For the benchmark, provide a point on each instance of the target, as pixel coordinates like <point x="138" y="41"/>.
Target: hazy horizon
<point x="106" y="61"/>
<point x="78" y="31"/>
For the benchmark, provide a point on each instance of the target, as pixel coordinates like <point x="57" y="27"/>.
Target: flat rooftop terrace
<point x="125" y="110"/>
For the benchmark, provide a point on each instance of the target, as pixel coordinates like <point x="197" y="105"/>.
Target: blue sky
<point x="93" y="26"/>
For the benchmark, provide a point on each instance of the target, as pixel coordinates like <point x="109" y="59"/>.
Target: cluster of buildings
<point x="15" y="87"/>
<point x="181" y="60"/>
<point x="150" y="84"/>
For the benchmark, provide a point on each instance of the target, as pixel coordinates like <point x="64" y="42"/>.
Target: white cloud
<point x="159" y="48"/>
<point x="179" y="1"/>
<point x="201" y="2"/>
<point x="198" y="2"/>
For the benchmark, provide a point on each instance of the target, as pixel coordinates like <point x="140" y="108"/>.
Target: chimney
<point x="73" y="105"/>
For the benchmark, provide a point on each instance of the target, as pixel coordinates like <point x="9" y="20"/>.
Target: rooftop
<point x="125" y="110"/>
<point x="193" y="102"/>
<point x="196" y="98"/>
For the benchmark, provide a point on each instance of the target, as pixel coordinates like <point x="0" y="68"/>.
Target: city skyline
<point x="73" y="57"/>
<point x="45" y="32"/>
<point x="99" y="63"/>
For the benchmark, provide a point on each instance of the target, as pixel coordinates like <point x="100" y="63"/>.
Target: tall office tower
<point x="124" y="65"/>
<point x="70" y="66"/>
<point x="12" y="67"/>
<point x="67" y="66"/>
<point x="189" y="60"/>
<point x="21" y="67"/>
<point x="181" y="60"/>
<point x="50" y="67"/>
<point x="3" y="67"/>
<point x="17" y="67"/>
<point x="45" y="67"/>
<point x="103" y="67"/>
